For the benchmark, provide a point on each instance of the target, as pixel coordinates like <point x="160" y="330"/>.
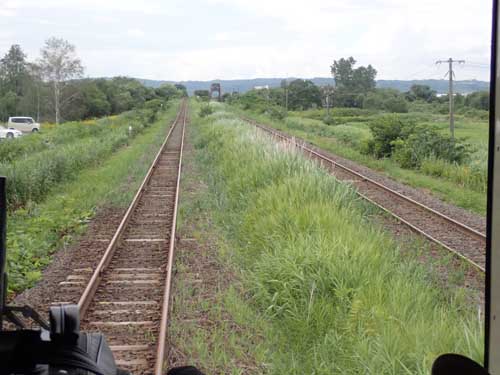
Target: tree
<point x="389" y="100"/>
<point x="202" y="94"/>
<point x="13" y="70"/>
<point x="303" y="94"/>
<point x="95" y="101"/>
<point x="182" y="89"/>
<point x="59" y="64"/>
<point x="14" y="80"/>
<point x="8" y="104"/>
<point x="478" y="100"/>
<point x="167" y="91"/>
<point x="351" y="83"/>
<point x="359" y="80"/>
<point x="423" y="92"/>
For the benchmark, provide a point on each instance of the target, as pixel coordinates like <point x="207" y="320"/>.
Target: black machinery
<point x="58" y="347"/>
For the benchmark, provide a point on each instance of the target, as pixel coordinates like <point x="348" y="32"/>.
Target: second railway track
<point x="465" y="242"/>
<point x="127" y="296"/>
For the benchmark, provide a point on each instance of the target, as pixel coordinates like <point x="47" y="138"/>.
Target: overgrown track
<point x="127" y="295"/>
<point x="465" y="242"/>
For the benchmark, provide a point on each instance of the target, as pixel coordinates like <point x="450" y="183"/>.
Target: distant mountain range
<point x="243" y="85"/>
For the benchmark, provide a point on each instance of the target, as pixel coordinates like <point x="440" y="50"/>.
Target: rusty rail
<point x="160" y="354"/>
<point x="92" y="286"/>
<point x="464" y="228"/>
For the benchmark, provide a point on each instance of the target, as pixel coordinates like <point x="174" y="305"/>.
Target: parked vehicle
<point x="24" y="124"/>
<point x="9" y="132"/>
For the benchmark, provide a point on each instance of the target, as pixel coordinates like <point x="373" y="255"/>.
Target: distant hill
<point x="440" y="85"/>
<point x="243" y="85"/>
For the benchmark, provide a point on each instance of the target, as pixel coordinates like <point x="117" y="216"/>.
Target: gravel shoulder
<point x="84" y="253"/>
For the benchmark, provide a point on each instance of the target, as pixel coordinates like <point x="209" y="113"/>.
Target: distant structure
<point x="265" y="87"/>
<point x="215" y="87"/>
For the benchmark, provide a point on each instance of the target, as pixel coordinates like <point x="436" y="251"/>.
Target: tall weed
<point x="339" y="296"/>
<point x="31" y="175"/>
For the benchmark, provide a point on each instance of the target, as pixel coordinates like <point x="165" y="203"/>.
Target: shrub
<point x="350" y="135"/>
<point x="472" y="176"/>
<point x="31" y="177"/>
<point x="329" y="120"/>
<point x="474" y="113"/>
<point x="425" y="142"/>
<point x="387" y="100"/>
<point x="351" y="112"/>
<point x="205" y="110"/>
<point x="346" y="119"/>
<point x="276" y="113"/>
<point x="385" y="130"/>
<point x="396" y="105"/>
<point x="478" y="100"/>
<point x="336" y="302"/>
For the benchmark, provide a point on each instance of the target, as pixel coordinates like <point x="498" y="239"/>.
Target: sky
<point x="237" y="39"/>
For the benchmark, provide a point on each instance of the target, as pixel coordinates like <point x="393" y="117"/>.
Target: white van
<point x="24" y="124"/>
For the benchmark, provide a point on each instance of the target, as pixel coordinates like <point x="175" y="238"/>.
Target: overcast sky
<point x="227" y="39"/>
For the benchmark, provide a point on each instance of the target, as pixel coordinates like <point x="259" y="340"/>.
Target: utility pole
<point x="328" y="105"/>
<point x="286" y="96"/>
<point x="450" y="73"/>
<point x="328" y="90"/>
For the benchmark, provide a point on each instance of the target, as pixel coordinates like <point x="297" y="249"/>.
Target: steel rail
<point x="160" y="353"/>
<point x="364" y="178"/>
<point x="90" y="289"/>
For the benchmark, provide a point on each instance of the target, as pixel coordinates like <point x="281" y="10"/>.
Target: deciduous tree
<point x="59" y="64"/>
<point x="351" y="82"/>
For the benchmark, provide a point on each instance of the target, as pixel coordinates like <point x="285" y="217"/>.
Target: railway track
<point x="462" y="240"/>
<point x="126" y="297"/>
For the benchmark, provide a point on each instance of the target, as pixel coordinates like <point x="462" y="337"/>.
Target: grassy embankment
<point x="461" y="185"/>
<point x="34" y="164"/>
<point x="99" y="166"/>
<point x="325" y="299"/>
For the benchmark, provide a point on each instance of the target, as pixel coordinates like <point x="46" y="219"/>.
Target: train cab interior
<point x="60" y="347"/>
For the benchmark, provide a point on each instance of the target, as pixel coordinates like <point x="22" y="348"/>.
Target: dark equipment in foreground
<point x="62" y="349"/>
<point x="58" y="347"/>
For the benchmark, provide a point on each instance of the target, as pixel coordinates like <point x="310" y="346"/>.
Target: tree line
<point x="354" y="87"/>
<point x="52" y="88"/>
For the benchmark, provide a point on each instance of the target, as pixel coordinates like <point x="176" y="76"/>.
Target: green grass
<point x="31" y="175"/>
<point x="52" y="135"/>
<point x="211" y="323"/>
<point x="36" y="231"/>
<point x="335" y="300"/>
<point x="463" y="186"/>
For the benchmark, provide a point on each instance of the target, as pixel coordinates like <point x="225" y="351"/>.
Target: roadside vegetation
<point x="333" y="302"/>
<point x="405" y="135"/>
<point x="34" y="165"/>
<point x="52" y="89"/>
<point x="105" y="174"/>
<point x="28" y="88"/>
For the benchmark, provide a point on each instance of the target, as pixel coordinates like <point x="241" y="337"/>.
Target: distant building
<point x="265" y="87"/>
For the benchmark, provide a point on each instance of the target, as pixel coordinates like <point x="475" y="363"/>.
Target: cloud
<point x="136" y="33"/>
<point x="7" y="8"/>
<point x="203" y="39"/>
<point x="149" y="7"/>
